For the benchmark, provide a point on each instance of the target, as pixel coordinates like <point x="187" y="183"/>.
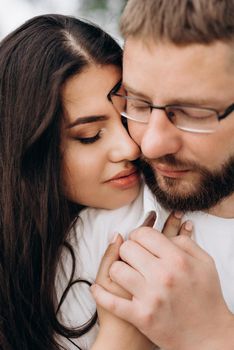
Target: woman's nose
<point x="124" y="148"/>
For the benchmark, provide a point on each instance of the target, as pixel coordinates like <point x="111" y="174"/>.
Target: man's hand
<point x="176" y="299"/>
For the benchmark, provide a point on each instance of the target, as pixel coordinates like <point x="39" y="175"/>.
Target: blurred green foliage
<point x="89" y="5"/>
<point x="103" y="12"/>
<point x="102" y="5"/>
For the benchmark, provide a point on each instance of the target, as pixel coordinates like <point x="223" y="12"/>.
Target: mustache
<point x="212" y="187"/>
<point x="144" y="164"/>
<point x="168" y="159"/>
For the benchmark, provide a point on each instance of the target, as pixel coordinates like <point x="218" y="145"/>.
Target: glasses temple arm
<point x="229" y="110"/>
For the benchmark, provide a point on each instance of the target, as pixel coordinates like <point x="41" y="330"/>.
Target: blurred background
<point x="105" y="13"/>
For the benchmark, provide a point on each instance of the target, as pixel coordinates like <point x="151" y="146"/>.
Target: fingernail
<point x="150" y="220"/>
<point x="114" y="238"/>
<point x="178" y="214"/>
<point x="188" y="225"/>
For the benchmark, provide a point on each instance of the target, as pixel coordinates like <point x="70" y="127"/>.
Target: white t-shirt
<point x="95" y="229"/>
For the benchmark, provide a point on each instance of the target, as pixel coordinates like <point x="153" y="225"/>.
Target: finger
<point x="152" y="241"/>
<point x="185" y="243"/>
<point x="121" y="307"/>
<point x="103" y="276"/>
<point x="150" y="220"/>
<point x="172" y="225"/>
<point x="127" y="277"/>
<point x="186" y="229"/>
<point x="140" y="258"/>
<point x="111" y="255"/>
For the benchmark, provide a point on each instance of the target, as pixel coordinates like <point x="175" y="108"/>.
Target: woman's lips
<point x="125" y="179"/>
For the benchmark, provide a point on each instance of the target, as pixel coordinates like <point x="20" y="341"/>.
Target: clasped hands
<point x="165" y="288"/>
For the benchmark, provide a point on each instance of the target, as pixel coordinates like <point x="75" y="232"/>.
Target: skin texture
<point x="187" y="307"/>
<point x="94" y="152"/>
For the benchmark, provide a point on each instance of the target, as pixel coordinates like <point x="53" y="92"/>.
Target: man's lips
<point x="167" y="171"/>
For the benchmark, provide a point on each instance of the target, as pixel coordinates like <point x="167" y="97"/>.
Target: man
<point x="177" y="94"/>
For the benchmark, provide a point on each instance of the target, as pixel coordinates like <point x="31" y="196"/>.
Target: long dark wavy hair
<point x="35" y="61"/>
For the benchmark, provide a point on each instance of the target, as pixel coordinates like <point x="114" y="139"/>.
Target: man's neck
<point x="224" y="209"/>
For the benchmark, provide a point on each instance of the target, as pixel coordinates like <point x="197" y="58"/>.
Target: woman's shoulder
<point x="122" y="218"/>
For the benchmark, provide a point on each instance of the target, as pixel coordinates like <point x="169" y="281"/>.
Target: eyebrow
<point x="197" y="102"/>
<point x="135" y="92"/>
<point x="87" y="120"/>
<point x="193" y="101"/>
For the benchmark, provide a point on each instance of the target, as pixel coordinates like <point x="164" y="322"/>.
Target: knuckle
<point x="113" y="305"/>
<point x="146" y="318"/>
<point x="117" y="290"/>
<point x="148" y="312"/>
<point x="183" y="240"/>
<point x="158" y="302"/>
<point x="168" y="281"/>
<point x="181" y="263"/>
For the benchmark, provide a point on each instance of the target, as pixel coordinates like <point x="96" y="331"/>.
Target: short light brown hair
<point x="179" y="21"/>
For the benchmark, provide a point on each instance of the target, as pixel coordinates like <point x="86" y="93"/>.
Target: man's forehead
<point x="138" y="43"/>
<point x="165" y="70"/>
<point x="137" y="51"/>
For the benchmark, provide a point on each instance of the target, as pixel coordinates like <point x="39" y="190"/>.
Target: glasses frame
<point x="114" y="92"/>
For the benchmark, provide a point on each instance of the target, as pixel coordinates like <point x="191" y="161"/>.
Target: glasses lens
<point x="119" y="102"/>
<point x="193" y="119"/>
<point x="131" y="108"/>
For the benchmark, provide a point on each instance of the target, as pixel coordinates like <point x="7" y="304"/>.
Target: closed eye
<point x="89" y="140"/>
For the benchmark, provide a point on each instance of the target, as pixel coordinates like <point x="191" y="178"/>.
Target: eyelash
<point x="89" y="140"/>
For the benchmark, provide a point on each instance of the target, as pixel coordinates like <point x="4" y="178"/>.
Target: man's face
<point x="186" y="171"/>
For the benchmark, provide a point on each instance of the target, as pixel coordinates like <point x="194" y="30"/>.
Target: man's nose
<point x="160" y="136"/>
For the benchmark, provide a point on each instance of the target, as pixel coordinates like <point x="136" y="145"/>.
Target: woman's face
<point x="96" y="148"/>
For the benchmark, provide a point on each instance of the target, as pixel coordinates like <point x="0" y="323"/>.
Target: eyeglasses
<point x="184" y="117"/>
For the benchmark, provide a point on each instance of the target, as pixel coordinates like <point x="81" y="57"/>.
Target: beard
<point x="204" y="194"/>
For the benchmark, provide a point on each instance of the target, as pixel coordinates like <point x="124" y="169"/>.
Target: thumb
<point x="111" y="254"/>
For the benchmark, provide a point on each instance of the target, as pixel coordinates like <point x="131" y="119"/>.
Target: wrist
<point x="224" y="336"/>
<point x="220" y="338"/>
<point x="121" y="339"/>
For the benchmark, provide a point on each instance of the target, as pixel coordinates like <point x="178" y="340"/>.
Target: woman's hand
<point x="116" y="334"/>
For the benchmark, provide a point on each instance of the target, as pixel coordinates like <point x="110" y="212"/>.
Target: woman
<point x="62" y="147"/>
